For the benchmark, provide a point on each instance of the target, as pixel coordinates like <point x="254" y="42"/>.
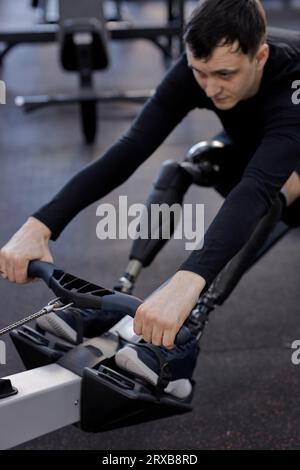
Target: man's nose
<point x="212" y="88"/>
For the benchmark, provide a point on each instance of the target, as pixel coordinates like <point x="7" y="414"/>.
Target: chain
<point x="53" y="306"/>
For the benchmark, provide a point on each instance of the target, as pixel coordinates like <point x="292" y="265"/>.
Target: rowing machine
<point x="66" y="384"/>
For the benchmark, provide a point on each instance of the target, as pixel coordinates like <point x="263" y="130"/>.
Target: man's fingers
<point x="7" y="266"/>
<point x="138" y="322"/>
<point x="147" y="333"/>
<point x="169" y="339"/>
<point x="2" y="265"/>
<point x="17" y="270"/>
<point x="158" y="329"/>
<point x="9" y="271"/>
<point x="157" y="336"/>
<point x="21" y="272"/>
<point x="147" y="326"/>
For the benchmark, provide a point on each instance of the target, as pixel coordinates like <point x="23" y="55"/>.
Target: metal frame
<point x="48" y="397"/>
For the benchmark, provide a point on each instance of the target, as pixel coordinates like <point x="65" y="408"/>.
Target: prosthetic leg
<point x="202" y="166"/>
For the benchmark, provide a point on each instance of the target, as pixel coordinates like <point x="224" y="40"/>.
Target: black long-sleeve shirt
<point x="269" y="124"/>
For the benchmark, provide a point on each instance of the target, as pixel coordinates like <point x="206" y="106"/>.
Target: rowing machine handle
<point x="84" y="294"/>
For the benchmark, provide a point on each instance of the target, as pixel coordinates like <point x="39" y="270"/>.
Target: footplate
<point x="126" y="401"/>
<point x="110" y="398"/>
<point x="34" y="349"/>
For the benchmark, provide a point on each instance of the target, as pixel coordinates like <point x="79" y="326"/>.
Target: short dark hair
<point x="220" y="22"/>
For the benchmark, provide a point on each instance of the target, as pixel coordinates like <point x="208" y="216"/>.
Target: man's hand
<point x="28" y="243"/>
<point x="161" y="316"/>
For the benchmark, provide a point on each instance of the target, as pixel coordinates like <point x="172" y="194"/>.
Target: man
<point x="233" y="69"/>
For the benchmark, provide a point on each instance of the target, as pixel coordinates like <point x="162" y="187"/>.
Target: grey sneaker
<point x="145" y="361"/>
<point x="63" y="324"/>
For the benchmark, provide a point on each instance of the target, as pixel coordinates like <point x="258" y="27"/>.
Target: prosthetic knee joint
<point x="204" y="160"/>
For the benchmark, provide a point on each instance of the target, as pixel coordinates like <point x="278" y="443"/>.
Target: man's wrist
<point x="193" y="279"/>
<point x="44" y="230"/>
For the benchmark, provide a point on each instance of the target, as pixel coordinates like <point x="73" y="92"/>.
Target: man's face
<point x="229" y="75"/>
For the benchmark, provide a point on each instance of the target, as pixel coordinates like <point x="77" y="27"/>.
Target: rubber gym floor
<point x="247" y="394"/>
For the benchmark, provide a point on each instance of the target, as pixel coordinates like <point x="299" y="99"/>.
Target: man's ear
<point x="262" y="55"/>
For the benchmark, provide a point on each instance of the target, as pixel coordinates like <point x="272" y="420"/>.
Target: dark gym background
<point x="247" y="393"/>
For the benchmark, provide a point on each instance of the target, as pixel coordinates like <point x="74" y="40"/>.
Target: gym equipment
<point x="83" y="47"/>
<point x="130" y="401"/>
<point x="83" y="35"/>
<point x="67" y="384"/>
<point x="118" y="29"/>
